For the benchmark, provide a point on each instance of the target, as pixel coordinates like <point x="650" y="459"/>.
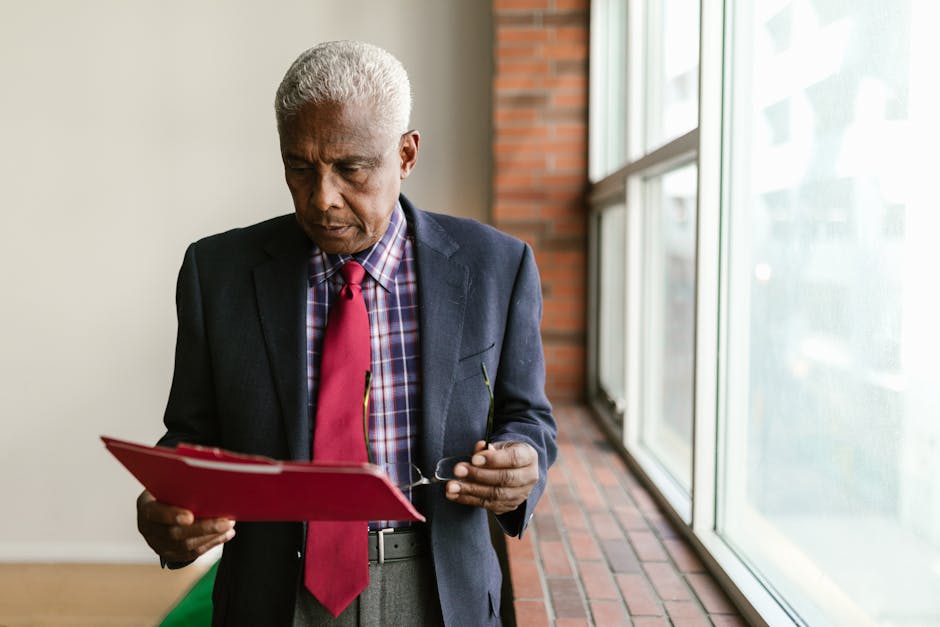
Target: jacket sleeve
<point x="523" y="412"/>
<point x="191" y="413"/>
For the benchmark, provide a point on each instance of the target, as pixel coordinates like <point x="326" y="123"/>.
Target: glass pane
<point x="614" y="128"/>
<point x="669" y="320"/>
<point x="831" y="479"/>
<point x="672" y="70"/>
<point x="613" y="320"/>
<point x="608" y="87"/>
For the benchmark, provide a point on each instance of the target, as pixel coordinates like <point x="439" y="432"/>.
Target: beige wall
<point x="128" y="129"/>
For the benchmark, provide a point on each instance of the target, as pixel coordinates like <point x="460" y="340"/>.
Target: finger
<point x="477" y="494"/>
<point x="201" y="544"/>
<point x="221" y="539"/>
<point x="201" y="527"/>
<point x="497" y="500"/>
<point x="179" y="540"/>
<point x="509" y="455"/>
<point x="192" y="548"/>
<point x="487" y="465"/>
<point x="505" y="477"/>
<point x="145" y="497"/>
<point x="160" y="513"/>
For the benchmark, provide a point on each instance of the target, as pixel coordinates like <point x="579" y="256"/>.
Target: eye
<point x="297" y="166"/>
<point x="349" y="168"/>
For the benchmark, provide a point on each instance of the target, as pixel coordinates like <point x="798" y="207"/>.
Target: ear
<point x="408" y="153"/>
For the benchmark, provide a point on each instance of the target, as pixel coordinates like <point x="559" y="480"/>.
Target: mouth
<point x="332" y="228"/>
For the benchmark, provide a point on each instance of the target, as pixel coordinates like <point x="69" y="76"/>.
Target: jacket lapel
<point x="281" y="289"/>
<point x="442" y="296"/>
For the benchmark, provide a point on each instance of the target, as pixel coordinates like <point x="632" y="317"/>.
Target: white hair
<point x="348" y="72"/>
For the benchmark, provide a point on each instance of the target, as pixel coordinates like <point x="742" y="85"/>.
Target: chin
<point x="333" y="247"/>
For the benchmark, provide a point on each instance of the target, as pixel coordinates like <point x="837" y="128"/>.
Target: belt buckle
<point x="381" y="538"/>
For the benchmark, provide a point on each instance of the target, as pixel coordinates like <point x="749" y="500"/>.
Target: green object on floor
<point x="195" y="608"/>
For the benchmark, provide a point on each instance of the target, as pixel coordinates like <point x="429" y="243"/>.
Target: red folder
<point x="212" y="483"/>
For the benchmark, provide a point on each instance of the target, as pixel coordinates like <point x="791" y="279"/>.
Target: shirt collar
<point x="381" y="261"/>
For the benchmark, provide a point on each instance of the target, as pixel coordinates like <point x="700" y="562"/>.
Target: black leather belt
<point x="390" y="545"/>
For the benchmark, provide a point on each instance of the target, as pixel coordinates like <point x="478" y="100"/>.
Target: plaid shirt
<point x="391" y="297"/>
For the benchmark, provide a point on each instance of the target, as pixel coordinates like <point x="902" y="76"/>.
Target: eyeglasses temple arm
<point x="365" y="416"/>
<point x="492" y="409"/>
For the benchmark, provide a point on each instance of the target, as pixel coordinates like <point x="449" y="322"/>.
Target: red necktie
<point x="336" y="568"/>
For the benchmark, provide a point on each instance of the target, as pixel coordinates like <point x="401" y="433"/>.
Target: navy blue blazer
<point x="240" y="383"/>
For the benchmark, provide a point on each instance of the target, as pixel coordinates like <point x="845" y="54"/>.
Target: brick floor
<point x="599" y="551"/>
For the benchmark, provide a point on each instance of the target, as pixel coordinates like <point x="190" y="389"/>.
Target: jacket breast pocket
<point x="472" y="365"/>
<point x="469" y="402"/>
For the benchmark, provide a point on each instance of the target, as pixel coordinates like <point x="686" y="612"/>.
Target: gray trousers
<point x="399" y="593"/>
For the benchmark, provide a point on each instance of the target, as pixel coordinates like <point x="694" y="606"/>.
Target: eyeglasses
<point x="408" y="475"/>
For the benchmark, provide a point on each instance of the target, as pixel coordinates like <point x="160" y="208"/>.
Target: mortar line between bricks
<point x="561" y="465"/>
<point x="609" y="509"/>
<point x="578" y="452"/>
<point x="584" y="460"/>
<point x="656" y="533"/>
<point x="576" y="575"/>
<point x="543" y="580"/>
<point x="607" y="504"/>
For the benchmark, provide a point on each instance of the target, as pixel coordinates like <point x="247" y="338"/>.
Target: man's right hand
<point x="175" y="533"/>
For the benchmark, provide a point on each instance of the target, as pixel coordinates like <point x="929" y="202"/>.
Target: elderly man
<point x="289" y="327"/>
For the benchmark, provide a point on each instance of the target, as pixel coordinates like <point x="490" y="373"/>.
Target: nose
<point x="325" y="193"/>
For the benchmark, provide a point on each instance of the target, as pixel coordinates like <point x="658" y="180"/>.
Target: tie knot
<point x="353" y="272"/>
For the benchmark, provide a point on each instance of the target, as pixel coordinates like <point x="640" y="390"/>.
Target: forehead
<point x="333" y="127"/>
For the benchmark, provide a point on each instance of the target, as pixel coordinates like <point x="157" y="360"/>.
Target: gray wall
<point x="127" y="130"/>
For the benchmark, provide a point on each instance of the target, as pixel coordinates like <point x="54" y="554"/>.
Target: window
<point x="768" y="223"/>
<point x="645" y="169"/>
<point x="832" y="438"/>
<point x="668" y="321"/>
<point x="612" y="308"/>
<point x="608" y="95"/>
<point x="670" y="70"/>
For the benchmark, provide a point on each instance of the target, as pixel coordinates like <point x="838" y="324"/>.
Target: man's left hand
<point x="499" y="478"/>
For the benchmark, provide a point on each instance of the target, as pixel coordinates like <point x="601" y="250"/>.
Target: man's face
<point x="343" y="174"/>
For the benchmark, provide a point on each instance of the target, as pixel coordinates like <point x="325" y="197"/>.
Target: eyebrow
<point x="345" y="160"/>
<point x="357" y="159"/>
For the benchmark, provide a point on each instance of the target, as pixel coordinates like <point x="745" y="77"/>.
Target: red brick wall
<point x="540" y="156"/>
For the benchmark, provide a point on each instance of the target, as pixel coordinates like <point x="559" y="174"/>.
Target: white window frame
<point x="696" y="514"/>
